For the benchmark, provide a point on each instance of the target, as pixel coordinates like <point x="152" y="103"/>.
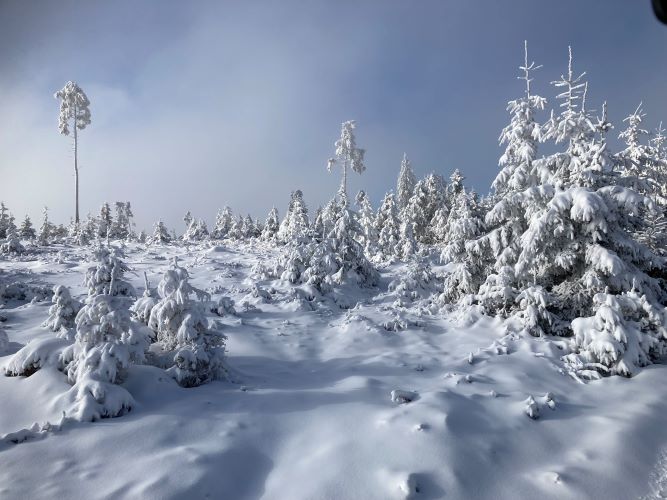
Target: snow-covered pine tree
<point x="317" y="228"/>
<point x="44" y="234"/>
<point x="62" y="313"/>
<point x="348" y="155"/>
<point x="4" y="220"/>
<point x="121" y="227"/>
<point x="105" y="343"/>
<point x="387" y="225"/>
<point x="74" y="107"/>
<point x="438" y="226"/>
<point x="182" y="328"/>
<point x="463" y="224"/>
<point x="659" y="162"/>
<point x="12" y="244"/>
<point x="369" y="234"/>
<point x="636" y="162"/>
<point x="271" y="225"/>
<point x="405" y="185"/>
<point x="353" y="266"/>
<point x="250" y="228"/>
<point x="27" y="231"/>
<point x="143" y="306"/>
<point x="295" y="225"/>
<point x="160" y="234"/>
<point x="196" y="232"/>
<point x="330" y="214"/>
<point x="581" y="256"/>
<point x="223" y="224"/>
<point x="236" y="231"/>
<point x="517" y="194"/>
<point x="427" y="197"/>
<point x="105" y="221"/>
<point x="407" y="244"/>
<point x="188" y="219"/>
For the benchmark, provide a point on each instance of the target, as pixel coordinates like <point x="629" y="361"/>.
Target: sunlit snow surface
<point x="308" y="412"/>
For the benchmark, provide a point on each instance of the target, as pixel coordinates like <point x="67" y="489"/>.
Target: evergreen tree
<point x="223" y="224"/>
<point x="44" y="234"/>
<point x="4" y="220"/>
<point x="405" y="184"/>
<point x="160" y="234"/>
<point x="27" y="232"/>
<point x="105" y="343"/>
<point x="105" y="222"/>
<point x="388" y="226"/>
<point x="295" y="225"/>
<point x="369" y="235"/>
<point x="63" y="312"/>
<point x="182" y="328"/>
<point x="271" y="225"/>
<point x="348" y="155"/>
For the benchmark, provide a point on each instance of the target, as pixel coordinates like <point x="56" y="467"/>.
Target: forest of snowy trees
<point x="570" y="242"/>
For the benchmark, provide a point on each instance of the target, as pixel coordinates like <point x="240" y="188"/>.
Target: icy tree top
<point x="347" y="150"/>
<point x="74" y="105"/>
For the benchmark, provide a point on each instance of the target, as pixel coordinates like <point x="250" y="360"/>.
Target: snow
<point x="307" y="409"/>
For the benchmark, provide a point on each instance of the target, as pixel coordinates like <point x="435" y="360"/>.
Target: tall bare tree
<point x="74" y="108"/>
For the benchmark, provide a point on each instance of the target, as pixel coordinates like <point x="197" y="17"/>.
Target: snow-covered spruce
<point x="143" y="306"/>
<point x="197" y="231"/>
<point x="27" y="231"/>
<point x="295" y="226"/>
<point x="516" y="196"/>
<point x="12" y="245"/>
<point x="417" y="282"/>
<point x="271" y="225"/>
<point x="626" y="332"/>
<point x="160" y="234"/>
<point x="107" y="275"/>
<point x="464" y="223"/>
<point x="105" y="344"/>
<point x="405" y="184"/>
<point x="197" y="349"/>
<point x="62" y="313"/>
<point x="387" y="225"/>
<point x="223" y="224"/>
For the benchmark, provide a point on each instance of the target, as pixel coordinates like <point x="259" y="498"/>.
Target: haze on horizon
<point x="203" y="104"/>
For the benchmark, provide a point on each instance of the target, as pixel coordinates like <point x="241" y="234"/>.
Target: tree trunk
<point x="76" y="172"/>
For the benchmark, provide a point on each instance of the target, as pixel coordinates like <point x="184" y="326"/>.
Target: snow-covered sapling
<point x="142" y="308"/>
<point x="182" y="328"/>
<point x="63" y="312"/>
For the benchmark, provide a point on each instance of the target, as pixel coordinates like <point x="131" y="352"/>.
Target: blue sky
<point x="196" y="105"/>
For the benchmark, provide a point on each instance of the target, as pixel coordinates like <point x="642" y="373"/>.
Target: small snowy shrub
<point x="224" y="307"/>
<point x="626" y="332"/>
<point x="531" y="409"/>
<point x="35" y="355"/>
<point x="12" y="245"/>
<point x="418" y="281"/>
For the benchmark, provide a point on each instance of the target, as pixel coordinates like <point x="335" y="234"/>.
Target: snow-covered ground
<point x="308" y="411"/>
